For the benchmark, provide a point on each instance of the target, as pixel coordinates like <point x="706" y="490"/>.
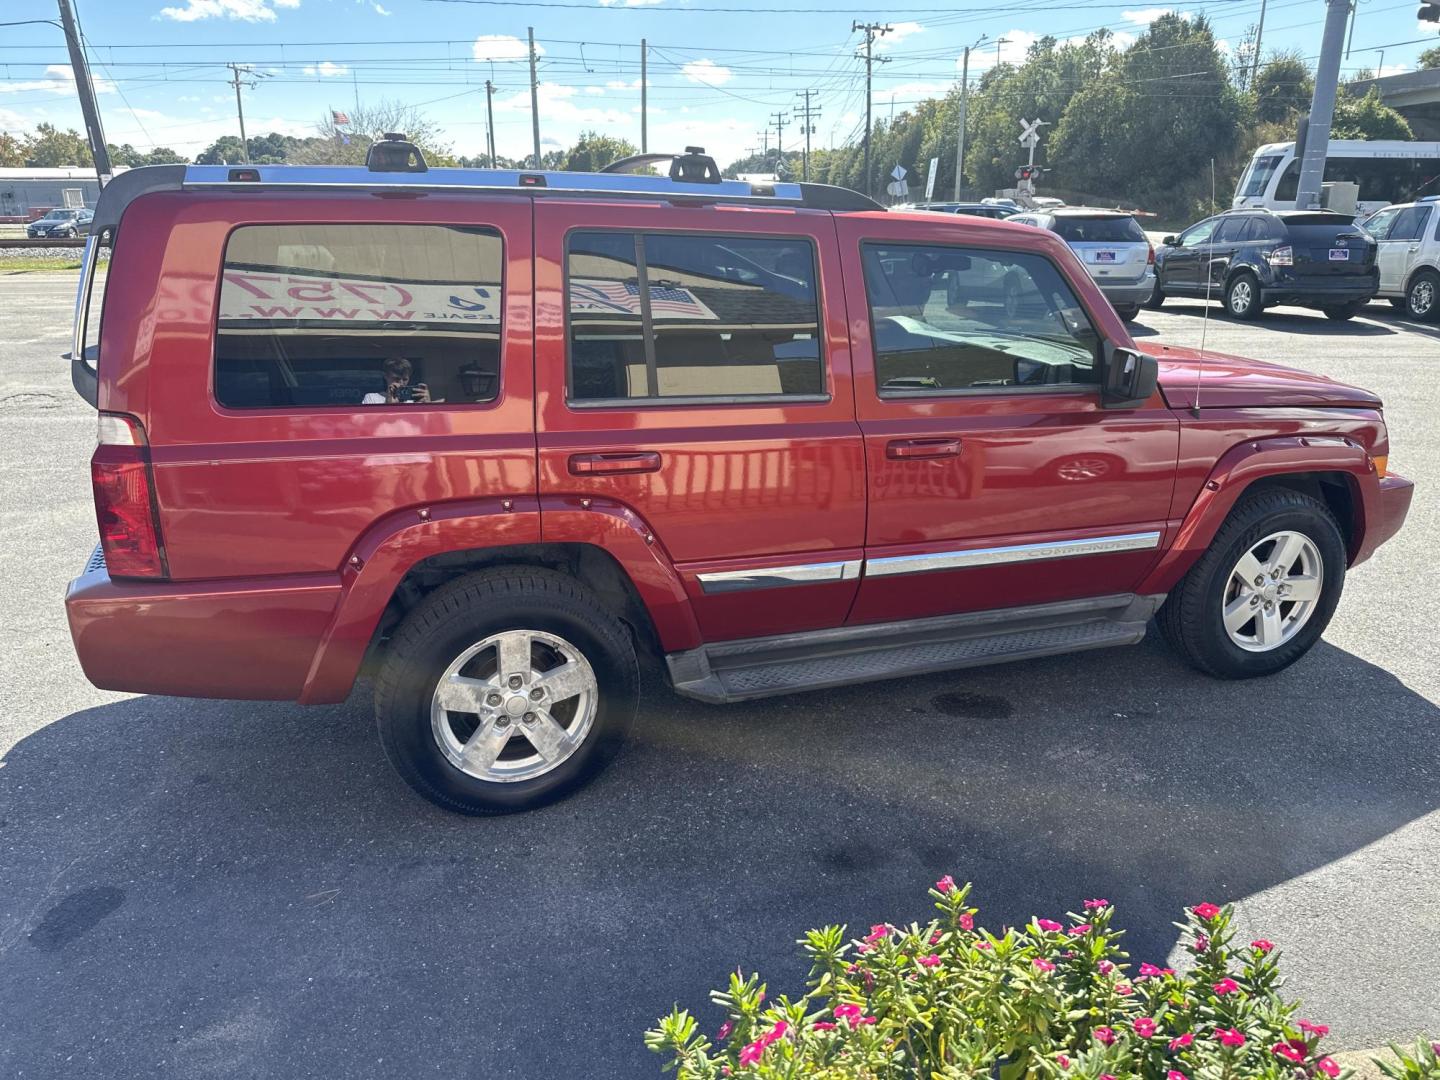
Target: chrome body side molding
<point x="1010" y="553"/>
<point x="772" y="577"/>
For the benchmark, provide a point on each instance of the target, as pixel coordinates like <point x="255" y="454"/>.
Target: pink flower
<point x="1230" y="1036"/>
<point x="1261" y="945"/>
<point x="1106" y="967"/>
<point x="1205" y="911"/>
<point x="928" y="961"/>
<point x="1096" y="905"/>
<point x="1106" y="1076"/>
<point x="1148" y="971"/>
<point x="846" y="1011"/>
<point x="865" y="1020"/>
<point x="945" y="884"/>
<point x="1292" y="1050"/>
<point x="1048" y="925"/>
<point x="935" y="938"/>
<point x="1436" y="1048"/>
<point x="1144" y="1027"/>
<point x="1328" y="1066"/>
<point x="750" y="1053"/>
<point x="1180" y="1042"/>
<point x="823" y="1025"/>
<point x="1176" y="1074"/>
<point x="774" y="1033"/>
<point x="1124" y="989"/>
<point x="1043" y="965"/>
<point x="725" y="1029"/>
<point x="1318" y="1030"/>
<point x="878" y="932"/>
<point x="1062" y="1060"/>
<point x="982" y="944"/>
<point x="1076" y="931"/>
<point x="1225" y="986"/>
<point x="1104" y="1035"/>
<point x="1201" y="943"/>
<point x="967" y="921"/>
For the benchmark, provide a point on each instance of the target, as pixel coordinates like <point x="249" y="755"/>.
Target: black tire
<point x="467" y="611"/>
<point x="1422" y="297"/>
<point x="1157" y="297"/>
<point x="1127" y="313"/>
<point x="1191" y="618"/>
<point x="1397" y="302"/>
<point x="1242" y="296"/>
<point x="1343" y="312"/>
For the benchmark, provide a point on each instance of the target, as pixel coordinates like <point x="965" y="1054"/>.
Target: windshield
<point x="61" y="215"/>
<point x="1100" y="230"/>
<point x="1258" y="179"/>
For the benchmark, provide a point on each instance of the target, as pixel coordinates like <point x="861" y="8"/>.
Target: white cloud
<point x="630" y="3"/>
<point x="1144" y="16"/>
<point x="706" y="72"/>
<point x="242" y="10"/>
<point x="1393" y="69"/>
<point x="380" y="9"/>
<point x="898" y="32"/>
<point x="621" y="84"/>
<point x="59" y="79"/>
<point x="326" y="70"/>
<point x="1014" y="44"/>
<point x="595" y="91"/>
<point x="502" y="47"/>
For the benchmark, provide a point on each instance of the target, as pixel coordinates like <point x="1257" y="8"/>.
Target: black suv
<point x="1254" y="259"/>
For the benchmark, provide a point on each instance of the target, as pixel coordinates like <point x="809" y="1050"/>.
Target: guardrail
<point x="59" y="241"/>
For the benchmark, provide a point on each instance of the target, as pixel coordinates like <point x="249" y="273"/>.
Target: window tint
<point x="947" y="319"/>
<point x="663" y="315"/>
<point x="1231" y="230"/>
<point x="1410" y="223"/>
<point x="348" y="315"/>
<point x="1100" y="230"/>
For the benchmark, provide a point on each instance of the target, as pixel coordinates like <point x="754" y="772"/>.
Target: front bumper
<point x="1385" y="514"/>
<point x="251" y="638"/>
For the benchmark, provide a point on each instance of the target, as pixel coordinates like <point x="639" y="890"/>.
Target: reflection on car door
<point x="1217" y="254"/>
<point x="1181" y="270"/>
<point x="1399" y="248"/>
<point x="989" y="458"/>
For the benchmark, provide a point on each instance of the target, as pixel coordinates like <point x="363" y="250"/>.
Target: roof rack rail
<point x="399" y="175"/>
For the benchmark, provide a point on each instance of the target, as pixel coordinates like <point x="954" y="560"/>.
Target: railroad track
<point x="43" y="242"/>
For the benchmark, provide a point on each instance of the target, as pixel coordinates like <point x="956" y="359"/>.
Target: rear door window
<point x="953" y="320"/>
<point x="1410" y="223"/>
<point x="706" y="317"/>
<point x="342" y="316"/>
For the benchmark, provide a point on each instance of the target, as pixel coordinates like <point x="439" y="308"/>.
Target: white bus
<point x="1387" y="171"/>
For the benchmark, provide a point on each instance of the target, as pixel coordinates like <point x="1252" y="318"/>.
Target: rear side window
<point x="691" y="316"/>
<point x="1099" y="230"/>
<point x="339" y="316"/>
<point x="949" y="319"/>
<point x="1410" y="223"/>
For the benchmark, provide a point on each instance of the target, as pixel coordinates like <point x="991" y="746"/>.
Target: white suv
<point x="1408" y="236"/>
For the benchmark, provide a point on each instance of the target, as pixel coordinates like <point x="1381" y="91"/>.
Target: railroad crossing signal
<point x="1030" y="131"/>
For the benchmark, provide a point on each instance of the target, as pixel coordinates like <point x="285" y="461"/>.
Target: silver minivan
<point x="1111" y="244"/>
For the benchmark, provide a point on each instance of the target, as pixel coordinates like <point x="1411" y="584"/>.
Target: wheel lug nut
<point x="503" y="722"/>
<point x="529" y="717"/>
<point x="536" y="694"/>
<point x="492" y="699"/>
<point x="1260" y="581"/>
<point x="515" y="682"/>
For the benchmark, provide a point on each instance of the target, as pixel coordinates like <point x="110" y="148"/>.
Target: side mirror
<point x="1127" y="377"/>
<point x="1171" y="241"/>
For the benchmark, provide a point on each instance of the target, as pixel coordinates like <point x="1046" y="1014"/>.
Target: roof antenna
<point x="1205" y="317"/>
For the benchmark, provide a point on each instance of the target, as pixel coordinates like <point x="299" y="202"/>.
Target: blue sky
<point x="716" y="78"/>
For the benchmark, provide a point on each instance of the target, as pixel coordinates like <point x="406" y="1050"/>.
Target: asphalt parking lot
<point x="205" y="888"/>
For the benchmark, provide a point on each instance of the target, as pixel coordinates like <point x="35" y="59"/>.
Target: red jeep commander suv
<point x="498" y="434"/>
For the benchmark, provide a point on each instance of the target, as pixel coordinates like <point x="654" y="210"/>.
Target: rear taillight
<point x="125" y="500"/>
<point x="1281" y="256"/>
<point x="1150" y="258"/>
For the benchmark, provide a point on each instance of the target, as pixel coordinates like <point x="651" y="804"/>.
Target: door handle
<point x="922" y="448"/>
<point x="641" y="461"/>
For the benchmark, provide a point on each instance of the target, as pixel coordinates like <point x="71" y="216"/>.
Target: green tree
<point x="1430" y="59"/>
<point x="49" y="147"/>
<point x="12" y="151"/>
<point x="347" y="144"/>
<point x="1282" y="89"/>
<point x="163" y="155"/>
<point x="223" y="151"/>
<point x="1367" y="118"/>
<point x="594" y="151"/>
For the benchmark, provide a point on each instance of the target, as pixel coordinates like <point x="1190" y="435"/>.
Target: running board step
<point x="760" y="667"/>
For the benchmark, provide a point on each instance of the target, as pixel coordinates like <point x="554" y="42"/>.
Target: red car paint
<point x="288" y="531"/>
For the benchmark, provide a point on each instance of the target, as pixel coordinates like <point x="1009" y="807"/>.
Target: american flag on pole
<point x="594" y="296"/>
<point x="339" y="118"/>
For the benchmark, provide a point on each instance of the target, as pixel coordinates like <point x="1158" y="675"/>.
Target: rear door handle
<point x="922" y="448"/>
<point x="640" y="461"/>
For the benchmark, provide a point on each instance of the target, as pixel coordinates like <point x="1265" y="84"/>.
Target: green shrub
<point x="948" y="1000"/>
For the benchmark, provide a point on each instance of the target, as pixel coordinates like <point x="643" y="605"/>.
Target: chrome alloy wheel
<point x="1272" y="591"/>
<point x="514" y="706"/>
<point x="1422" y="297"/>
<point x="1241" y="294"/>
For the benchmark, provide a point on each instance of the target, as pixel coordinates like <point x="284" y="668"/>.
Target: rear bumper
<point x="1128" y="293"/>
<point x="1386" y="514"/>
<point x="250" y="639"/>
<point x="1320" y="295"/>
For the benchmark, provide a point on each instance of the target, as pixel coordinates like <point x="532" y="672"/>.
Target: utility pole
<point x="809" y="111"/>
<point x="490" y="120"/>
<point x="998" y="43"/>
<point x="236" y="71"/>
<point x="779" y="122"/>
<point x="534" y="97"/>
<point x="960" y="135"/>
<point x="93" y="131"/>
<point x="1259" y="33"/>
<point x="1322" y="106"/>
<point x="871" y="31"/>
<point x="644" y="87"/>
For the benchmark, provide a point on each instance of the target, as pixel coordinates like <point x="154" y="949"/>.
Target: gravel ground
<point x="244" y="889"/>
